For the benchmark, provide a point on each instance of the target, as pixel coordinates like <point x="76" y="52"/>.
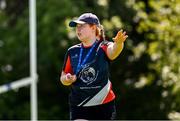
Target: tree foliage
<point x="161" y="30"/>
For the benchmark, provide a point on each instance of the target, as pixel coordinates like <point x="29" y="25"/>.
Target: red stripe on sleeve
<point x="104" y="47"/>
<point x="68" y="67"/>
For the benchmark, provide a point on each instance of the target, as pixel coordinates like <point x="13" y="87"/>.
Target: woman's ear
<point x="94" y="28"/>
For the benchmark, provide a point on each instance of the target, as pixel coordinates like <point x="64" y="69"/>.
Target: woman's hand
<point x="70" y="78"/>
<point x="67" y="79"/>
<point x="120" y="36"/>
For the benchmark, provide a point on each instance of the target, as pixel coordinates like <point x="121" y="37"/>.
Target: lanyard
<point x="80" y="64"/>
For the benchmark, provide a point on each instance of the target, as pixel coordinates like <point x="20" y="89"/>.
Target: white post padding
<point x="16" y="84"/>
<point x="32" y="80"/>
<point x="33" y="60"/>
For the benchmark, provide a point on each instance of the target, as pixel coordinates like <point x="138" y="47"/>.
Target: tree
<point x="160" y="27"/>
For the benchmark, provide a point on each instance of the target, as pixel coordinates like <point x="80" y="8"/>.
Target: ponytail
<point x="100" y="33"/>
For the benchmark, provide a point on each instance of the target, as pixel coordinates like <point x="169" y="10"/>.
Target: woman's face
<point x="84" y="32"/>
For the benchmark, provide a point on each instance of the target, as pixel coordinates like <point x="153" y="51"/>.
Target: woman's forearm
<point x="114" y="49"/>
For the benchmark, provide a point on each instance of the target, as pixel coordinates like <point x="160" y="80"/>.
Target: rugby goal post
<point x="32" y="80"/>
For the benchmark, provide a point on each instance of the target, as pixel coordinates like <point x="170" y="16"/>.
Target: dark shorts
<point x="100" y="112"/>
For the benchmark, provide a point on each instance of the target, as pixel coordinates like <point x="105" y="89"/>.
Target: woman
<point x="86" y="69"/>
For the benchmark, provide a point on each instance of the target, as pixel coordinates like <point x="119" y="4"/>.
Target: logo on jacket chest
<point x="88" y="75"/>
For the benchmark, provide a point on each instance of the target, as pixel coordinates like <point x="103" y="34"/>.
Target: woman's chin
<point x="81" y="39"/>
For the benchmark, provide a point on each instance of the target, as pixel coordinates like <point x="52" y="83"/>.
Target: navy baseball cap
<point x="85" y="18"/>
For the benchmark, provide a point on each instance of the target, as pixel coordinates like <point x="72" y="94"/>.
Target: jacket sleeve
<point x="67" y="68"/>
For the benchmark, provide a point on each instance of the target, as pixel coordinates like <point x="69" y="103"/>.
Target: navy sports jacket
<point x="93" y="86"/>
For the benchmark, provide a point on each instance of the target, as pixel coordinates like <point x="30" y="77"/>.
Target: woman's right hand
<point x="67" y="79"/>
<point x="70" y="77"/>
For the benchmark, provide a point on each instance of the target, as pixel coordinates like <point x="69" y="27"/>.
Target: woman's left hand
<point x="120" y="36"/>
